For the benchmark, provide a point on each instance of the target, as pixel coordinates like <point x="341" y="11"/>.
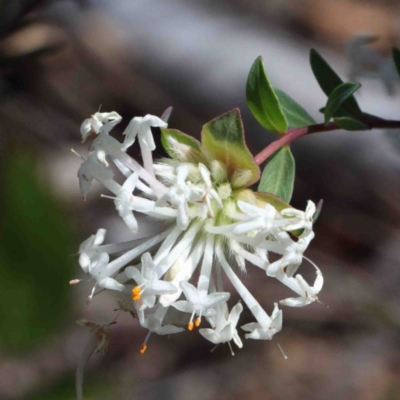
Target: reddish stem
<point x="294" y="133"/>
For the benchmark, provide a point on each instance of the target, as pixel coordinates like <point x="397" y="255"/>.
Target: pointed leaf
<point x="223" y="140"/>
<point x="328" y="80"/>
<point x="338" y="97"/>
<point x="278" y="175"/>
<point x="396" y="58"/>
<point x="350" y="124"/>
<point x="295" y="114"/>
<point x="263" y="101"/>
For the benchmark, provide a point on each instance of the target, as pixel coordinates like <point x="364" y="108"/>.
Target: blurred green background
<point x="61" y="60"/>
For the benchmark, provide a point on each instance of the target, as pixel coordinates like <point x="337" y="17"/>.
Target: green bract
<point x="223" y="140"/>
<point x="263" y="101"/>
<point x="194" y="151"/>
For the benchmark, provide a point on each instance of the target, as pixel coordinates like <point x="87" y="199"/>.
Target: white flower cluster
<point x="204" y="224"/>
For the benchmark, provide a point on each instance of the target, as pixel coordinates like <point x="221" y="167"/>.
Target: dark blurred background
<point x="61" y="60"/>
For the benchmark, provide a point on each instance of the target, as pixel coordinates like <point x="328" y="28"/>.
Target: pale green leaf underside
<point x="295" y="114"/>
<point x="278" y="174"/>
<point x="263" y="101"/>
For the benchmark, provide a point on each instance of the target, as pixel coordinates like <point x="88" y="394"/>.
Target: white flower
<point x="148" y="283"/>
<point x="88" y="250"/>
<point x="224" y="325"/>
<point x="179" y="195"/>
<point x="265" y="331"/>
<point x="199" y="303"/>
<point x="141" y="127"/>
<point x="126" y="202"/>
<point x="89" y="169"/>
<point x="208" y="225"/>
<point x="153" y="322"/>
<point x="103" y="122"/>
<point x="262" y="219"/>
<point x="292" y="254"/>
<point x="300" y="219"/>
<point x="308" y="293"/>
<point x="98" y="270"/>
<point x="209" y="192"/>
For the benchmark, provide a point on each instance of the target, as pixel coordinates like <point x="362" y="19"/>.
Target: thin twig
<point x="294" y="133"/>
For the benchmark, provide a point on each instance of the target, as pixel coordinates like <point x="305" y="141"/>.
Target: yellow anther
<point x="190" y="326"/>
<point x="136" y="293"/>
<point x="197" y="322"/>
<point x="143" y="348"/>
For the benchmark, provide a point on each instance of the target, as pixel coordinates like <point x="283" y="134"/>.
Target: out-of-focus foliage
<point x="34" y="246"/>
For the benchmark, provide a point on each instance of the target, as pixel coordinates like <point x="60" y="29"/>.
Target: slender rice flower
<point x="209" y="225"/>
<point x="224" y="326"/>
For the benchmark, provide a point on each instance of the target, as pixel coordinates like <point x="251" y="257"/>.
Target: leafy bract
<point x="181" y="146"/>
<point x="270" y="198"/>
<point x="294" y="113"/>
<point x="338" y="97"/>
<point x="223" y="140"/>
<point x="263" y="101"/>
<point x="328" y="80"/>
<point x="278" y="175"/>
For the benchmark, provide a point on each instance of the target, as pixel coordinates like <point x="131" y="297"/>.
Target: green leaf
<point x="328" y="80"/>
<point x="294" y="113"/>
<point x="278" y="175"/>
<point x="263" y="101"/>
<point x="338" y="96"/>
<point x="396" y="58"/>
<point x="223" y="140"/>
<point x="350" y="124"/>
<point x="190" y="149"/>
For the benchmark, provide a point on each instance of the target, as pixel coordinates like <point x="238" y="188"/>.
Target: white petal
<point x="134" y="273"/>
<point x="184" y="306"/>
<point x="110" y="283"/>
<point x="169" y="330"/>
<point x="191" y="293"/>
<point x="295" y="302"/>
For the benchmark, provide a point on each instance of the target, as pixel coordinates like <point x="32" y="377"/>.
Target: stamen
<point x="191" y="324"/>
<point x="197" y="322"/>
<point x="283" y="353"/>
<point x="230" y="348"/>
<point x="320" y="302"/>
<point x="74" y="281"/>
<point x="108" y="197"/>
<point x="212" y="350"/>
<point x="143" y="348"/>
<point x="77" y="154"/>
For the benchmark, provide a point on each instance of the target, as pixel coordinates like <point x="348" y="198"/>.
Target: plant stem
<point x="292" y="134"/>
